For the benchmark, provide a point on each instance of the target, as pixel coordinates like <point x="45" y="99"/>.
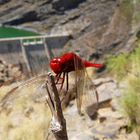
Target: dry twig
<point x="58" y="123"/>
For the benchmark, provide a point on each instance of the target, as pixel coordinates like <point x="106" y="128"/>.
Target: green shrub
<point x="118" y="65"/>
<point x="127" y="68"/>
<point x="134" y="61"/>
<point x="130" y="102"/>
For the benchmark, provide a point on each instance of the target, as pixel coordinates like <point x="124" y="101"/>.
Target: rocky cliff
<point x="97" y="26"/>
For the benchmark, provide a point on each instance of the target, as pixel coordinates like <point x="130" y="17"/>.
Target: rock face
<point x="97" y="27"/>
<point x="27" y="17"/>
<point x="108" y="123"/>
<point x="4" y="1"/>
<point x="62" y="5"/>
<point x="9" y="73"/>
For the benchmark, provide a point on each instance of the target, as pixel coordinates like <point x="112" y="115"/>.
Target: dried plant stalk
<point x="58" y="122"/>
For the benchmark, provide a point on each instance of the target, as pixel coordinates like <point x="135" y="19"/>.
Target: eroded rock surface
<point x="106" y="125"/>
<point x="101" y="27"/>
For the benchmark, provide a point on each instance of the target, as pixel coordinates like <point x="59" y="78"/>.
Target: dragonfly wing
<point x="27" y="118"/>
<point x="86" y="93"/>
<point x="79" y="82"/>
<point x="90" y="100"/>
<point x="29" y="89"/>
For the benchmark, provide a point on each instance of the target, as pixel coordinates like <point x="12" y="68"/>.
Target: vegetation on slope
<point x="126" y="67"/>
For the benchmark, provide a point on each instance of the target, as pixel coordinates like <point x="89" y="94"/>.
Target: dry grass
<point x="22" y="118"/>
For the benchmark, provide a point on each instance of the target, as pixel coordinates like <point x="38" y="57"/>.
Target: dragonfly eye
<point x="56" y="60"/>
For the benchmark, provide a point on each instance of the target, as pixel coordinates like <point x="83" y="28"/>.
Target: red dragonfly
<point x="71" y="62"/>
<point x="61" y="66"/>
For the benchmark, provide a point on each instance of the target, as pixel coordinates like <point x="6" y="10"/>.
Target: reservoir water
<point x="9" y="32"/>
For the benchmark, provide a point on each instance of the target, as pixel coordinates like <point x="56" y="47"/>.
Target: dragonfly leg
<point x="63" y="78"/>
<point x="58" y="78"/>
<point x="63" y="96"/>
<point x="67" y="82"/>
<point x="67" y="86"/>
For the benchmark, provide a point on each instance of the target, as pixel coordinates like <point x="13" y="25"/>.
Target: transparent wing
<point x="15" y="93"/>
<point x="90" y="99"/>
<point x="80" y="84"/>
<point x="23" y="112"/>
<point x="86" y="94"/>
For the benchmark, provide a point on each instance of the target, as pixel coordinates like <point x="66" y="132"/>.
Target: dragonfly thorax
<point x="67" y="63"/>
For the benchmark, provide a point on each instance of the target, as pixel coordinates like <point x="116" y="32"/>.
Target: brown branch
<point x="58" y="123"/>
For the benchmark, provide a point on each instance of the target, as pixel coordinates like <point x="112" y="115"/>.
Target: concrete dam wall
<point x="32" y="53"/>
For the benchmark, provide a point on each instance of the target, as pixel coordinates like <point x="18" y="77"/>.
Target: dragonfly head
<point x="55" y="65"/>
